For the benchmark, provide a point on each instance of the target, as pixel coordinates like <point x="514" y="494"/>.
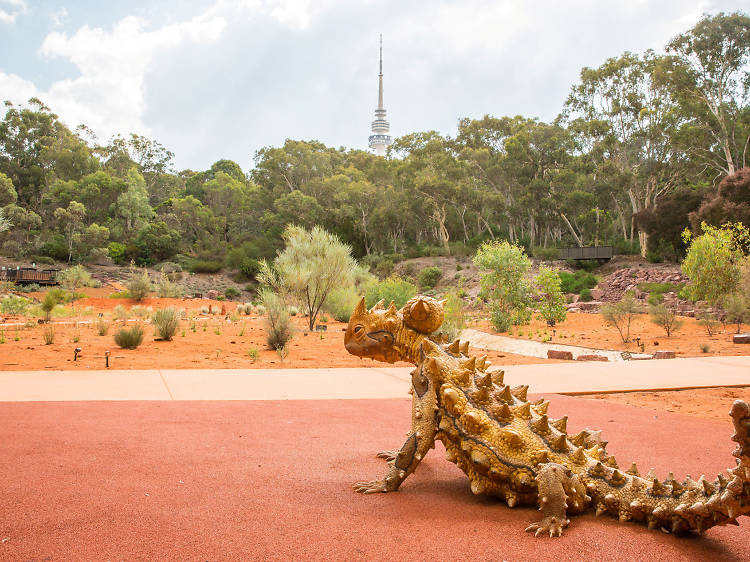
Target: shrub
<point x="705" y="348"/>
<point x="585" y="295"/>
<point x="736" y="310"/>
<point x="429" y="277"/>
<point x="552" y="308"/>
<point x="102" y="326"/>
<point x="454" y="321"/>
<point x="231" y="293"/>
<point x="709" y="321"/>
<point x="206" y="266"/>
<point x="392" y="289"/>
<point x="49" y="335"/>
<point x="74" y="278"/>
<point x="502" y="277"/>
<point x="140" y="311"/>
<point x="293" y="311"/>
<point x="249" y="267"/>
<point x="341" y="302"/>
<point x="665" y="317"/>
<point x="139" y="285"/>
<point x="712" y="264"/>
<point x="129" y="338"/>
<point x="620" y="315"/>
<point x="278" y="324"/>
<point x="576" y="282"/>
<point x="165" y="288"/>
<point x="120" y="313"/>
<point x="117" y="252"/>
<point x="49" y="302"/>
<point x="542" y="253"/>
<point x="655" y="298"/>
<point x="30" y="288"/>
<point x="166" y="321"/>
<point x="12" y="304"/>
<point x="260" y="310"/>
<point x="253" y="354"/>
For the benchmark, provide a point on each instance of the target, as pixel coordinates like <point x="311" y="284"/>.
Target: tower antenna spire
<point x="381" y="54"/>
<point x="380" y="139"/>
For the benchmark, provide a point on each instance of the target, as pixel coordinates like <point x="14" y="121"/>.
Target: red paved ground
<point x="271" y="480"/>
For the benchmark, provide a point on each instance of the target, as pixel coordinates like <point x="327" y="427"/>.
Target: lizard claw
<point x="553" y="525"/>
<point x="370" y="487"/>
<point x="389" y="456"/>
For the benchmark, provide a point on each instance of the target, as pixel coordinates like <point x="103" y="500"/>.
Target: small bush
<point x="392" y="289"/>
<point x="140" y="311"/>
<point x="278" y="325"/>
<point x="293" y="311"/>
<point x="552" y="306"/>
<point x="585" y="295"/>
<point x="30" y="288"/>
<point x="655" y="298"/>
<point x="139" y="285"/>
<point x="260" y="310"/>
<point x="454" y="321"/>
<point x="165" y="288"/>
<point x="166" y="321"/>
<point x="665" y="317"/>
<point x="231" y="293"/>
<point x="429" y="277"/>
<point x="341" y="302"/>
<point x="709" y="321"/>
<point x="705" y="348"/>
<point x="253" y="354"/>
<point x="654" y="256"/>
<point x="576" y="282"/>
<point x="49" y="302"/>
<point x="49" y="335"/>
<point x="736" y="311"/>
<point x="620" y="315"/>
<point x="102" y="326"/>
<point x="11" y="304"/>
<point x="120" y="313"/>
<point x="129" y="338"/>
<point x="206" y="266"/>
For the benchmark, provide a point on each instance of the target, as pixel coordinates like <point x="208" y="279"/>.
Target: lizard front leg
<point x="420" y="439"/>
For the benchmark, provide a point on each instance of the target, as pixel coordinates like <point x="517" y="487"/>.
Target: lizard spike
<point x="465" y="348"/>
<point x="454" y="347"/>
<point x="660" y="511"/>
<point x="541" y="407"/>
<point x="432" y="366"/>
<point x="598" y="470"/>
<point x="657" y="488"/>
<point x="708" y="488"/>
<point x="636" y="505"/>
<point x="523" y="411"/>
<point x="391" y="309"/>
<point x="541" y="425"/>
<point x="578" y="456"/>
<point x="480" y="459"/>
<point x="561" y="425"/>
<point x="513" y="437"/>
<point x="611" y="461"/>
<point x="541" y="457"/>
<point x="595" y="453"/>
<point x="477" y="487"/>
<point x="469" y="364"/>
<point x="633" y="470"/>
<point x="681" y="510"/>
<point x="636" y="484"/>
<point x="505" y="395"/>
<point x="380" y="305"/>
<point x="618" y="478"/>
<point x="497" y="376"/>
<point x="610" y="500"/>
<point x="651" y="474"/>
<point x="579" y="439"/>
<point x="485" y="381"/>
<point x="560" y="444"/>
<point x="482" y="363"/>
<point x="520" y="392"/>
<point x="601" y="508"/>
<point x="502" y="413"/>
<point x="722" y="481"/>
<point x="450" y="397"/>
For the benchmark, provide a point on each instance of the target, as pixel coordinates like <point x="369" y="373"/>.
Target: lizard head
<point x="379" y="333"/>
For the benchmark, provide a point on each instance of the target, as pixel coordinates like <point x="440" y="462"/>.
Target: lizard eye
<point x="358" y="330"/>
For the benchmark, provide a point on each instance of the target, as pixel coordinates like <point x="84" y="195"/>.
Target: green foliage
<point x="12" y="304"/>
<point x="252" y="353"/>
<point x="231" y="293"/>
<point x="206" y="266"/>
<point x="341" y="302"/>
<point x="129" y="338"/>
<point x="665" y="317"/>
<point x="576" y="282"/>
<point x="585" y="295"/>
<point x="277" y="322"/>
<point x="166" y="321"/>
<point x="552" y="306"/>
<point x="165" y="288"/>
<point x="429" y="277"/>
<point x="712" y="264"/>
<point x="73" y="278"/>
<point x="139" y="285"/>
<point x="101" y="325"/>
<point x="117" y="252"/>
<point x="502" y="274"/>
<point x="49" y="302"/>
<point x="655" y="298"/>
<point x="312" y="264"/>
<point x="391" y="289"/>
<point x="736" y="310"/>
<point x="709" y="321"/>
<point x="620" y="315"/>
<point x="454" y="321"/>
<point x="49" y="335"/>
<point x="548" y="254"/>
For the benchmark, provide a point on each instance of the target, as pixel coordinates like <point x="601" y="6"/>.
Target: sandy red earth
<point x="232" y="341"/>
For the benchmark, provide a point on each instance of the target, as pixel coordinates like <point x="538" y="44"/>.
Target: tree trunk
<point x="572" y="230"/>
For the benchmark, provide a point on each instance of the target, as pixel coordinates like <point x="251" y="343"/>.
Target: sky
<point x="213" y="79"/>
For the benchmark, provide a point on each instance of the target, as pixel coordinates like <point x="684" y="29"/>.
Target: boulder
<point x="591" y="306"/>
<point x="597" y="294"/>
<point x="559" y="354"/>
<point x="664" y="354"/>
<point x="212" y="294"/>
<point x="741" y="338"/>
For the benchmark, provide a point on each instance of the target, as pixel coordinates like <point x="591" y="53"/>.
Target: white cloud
<point x="59" y="17"/>
<point x="11" y="9"/>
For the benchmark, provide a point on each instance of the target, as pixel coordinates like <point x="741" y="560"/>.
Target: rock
<point x="597" y="294"/>
<point x="741" y="338"/>
<point x="573" y="309"/>
<point x="212" y="294"/>
<point x="664" y="354"/>
<point x="591" y="306"/>
<point x="559" y="354"/>
<point x="591" y="358"/>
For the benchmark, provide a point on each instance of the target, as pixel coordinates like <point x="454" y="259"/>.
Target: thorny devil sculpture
<point x="510" y="448"/>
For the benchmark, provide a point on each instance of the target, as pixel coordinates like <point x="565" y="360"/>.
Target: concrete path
<point x="531" y="348"/>
<point x="351" y="383"/>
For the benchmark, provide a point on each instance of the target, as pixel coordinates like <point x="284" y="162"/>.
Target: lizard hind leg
<point x="556" y="485"/>
<point x="388" y="456"/>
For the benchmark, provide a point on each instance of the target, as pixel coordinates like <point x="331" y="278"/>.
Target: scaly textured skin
<point x="510" y="448"/>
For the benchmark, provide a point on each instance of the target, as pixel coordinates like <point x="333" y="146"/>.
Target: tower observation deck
<point x="379" y="140"/>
